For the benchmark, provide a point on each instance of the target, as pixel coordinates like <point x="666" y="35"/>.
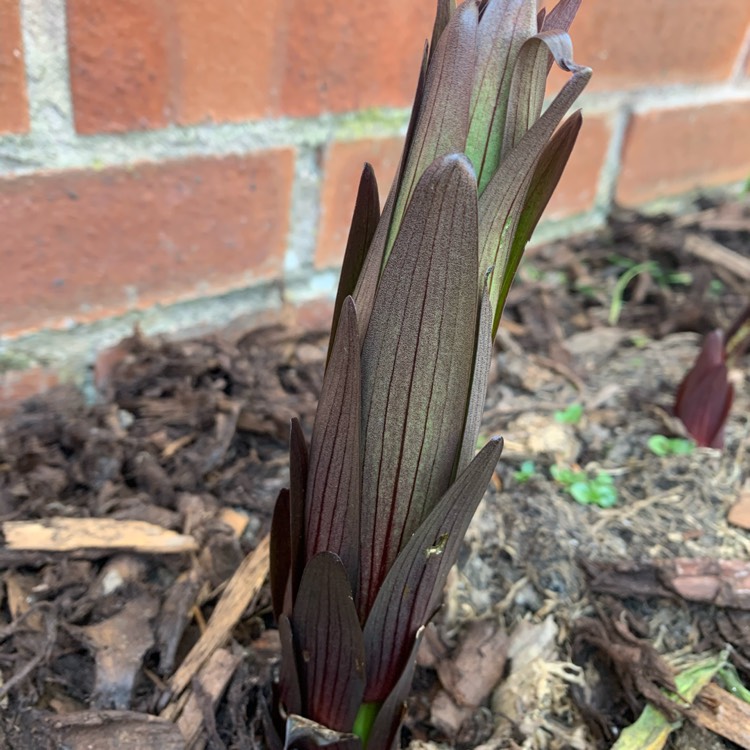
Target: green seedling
<point x="584" y="489"/>
<point x="662" y="446"/>
<point x="570" y="415"/>
<point x="730" y="681"/>
<point x="658" y="274"/>
<point x="525" y="472"/>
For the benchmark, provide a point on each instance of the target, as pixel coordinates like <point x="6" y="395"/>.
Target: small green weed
<point x="661" y="445"/>
<point x="597" y="490"/>
<point x="526" y="472"/>
<point x="658" y="274"/>
<point x="570" y="415"/>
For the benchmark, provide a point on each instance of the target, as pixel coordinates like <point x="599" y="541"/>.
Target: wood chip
<point x="111" y="730"/>
<point x="739" y="513"/>
<point x="724" y="714"/>
<point x="239" y="592"/>
<point x="72" y="534"/>
<point x="714" y="252"/>
<point x="213" y="679"/>
<point x="235" y="520"/>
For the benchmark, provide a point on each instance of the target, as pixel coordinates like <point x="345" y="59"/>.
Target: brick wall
<point x="182" y="163"/>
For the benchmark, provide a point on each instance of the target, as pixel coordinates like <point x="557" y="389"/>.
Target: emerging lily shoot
<point x="379" y="502"/>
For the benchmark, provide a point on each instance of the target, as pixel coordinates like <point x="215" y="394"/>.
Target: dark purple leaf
<point x="332" y="504"/>
<point x="416" y="366"/>
<point x="298" y="464"/>
<point x="367" y="284"/>
<point x="482" y="362"/>
<point x="445" y="9"/>
<point x="704" y="397"/>
<point x="540" y="19"/>
<point x="364" y="222"/>
<point x="384" y="734"/>
<point x="503" y="28"/>
<point x="443" y="121"/>
<point x="413" y="588"/>
<point x="290" y="694"/>
<point x="561" y="16"/>
<point x="280" y="557"/>
<point x="330" y="645"/>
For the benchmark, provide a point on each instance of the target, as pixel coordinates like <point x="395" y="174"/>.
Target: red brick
<point x="640" y="43"/>
<point x="673" y="151"/>
<point x="349" y="56"/>
<point x="18" y="385"/>
<point x="230" y="58"/>
<point x="342" y="167"/>
<point x="121" y="64"/>
<point x="576" y="190"/>
<point x="81" y="245"/>
<point x="14" y="117"/>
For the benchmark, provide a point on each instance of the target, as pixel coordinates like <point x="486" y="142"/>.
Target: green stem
<point x="365" y="719"/>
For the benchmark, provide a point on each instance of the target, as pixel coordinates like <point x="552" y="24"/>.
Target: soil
<point x="561" y="618"/>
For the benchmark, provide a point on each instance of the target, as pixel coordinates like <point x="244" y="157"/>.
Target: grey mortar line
<point x="304" y="213"/>
<point x="612" y="166"/>
<point x="25" y="154"/>
<point x="45" y="48"/>
<point x="743" y="57"/>
<point x="45" y="149"/>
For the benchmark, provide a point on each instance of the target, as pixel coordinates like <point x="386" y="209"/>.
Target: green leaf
<point x="661" y="445"/>
<point x="570" y="415"/>
<point x="413" y="588"/>
<point x="582" y="492"/>
<point x="503" y="28"/>
<point x="525" y="472"/>
<point x="416" y="366"/>
<point x="604" y="494"/>
<point x="363" y="226"/>
<point x="443" y="121"/>
<point x="333" y="481"/>
<point x="651" y="730"/>
<point x="543" y="183"/>
<point x="529" y="82"/>
<point x="501" y="204"/>
<point x="329" y="644"/>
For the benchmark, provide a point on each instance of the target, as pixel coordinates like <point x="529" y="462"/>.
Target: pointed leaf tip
<point x="364" y="223"/>
<point x="413" y="587"/>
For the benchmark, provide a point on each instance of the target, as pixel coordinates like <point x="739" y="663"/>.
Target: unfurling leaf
<point x="705" y="394"/>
